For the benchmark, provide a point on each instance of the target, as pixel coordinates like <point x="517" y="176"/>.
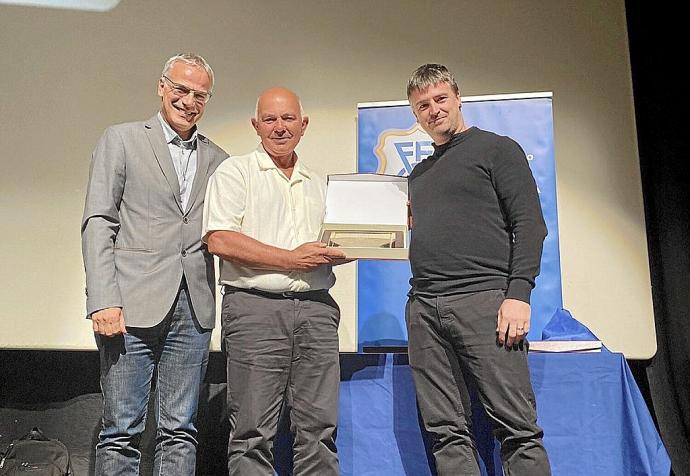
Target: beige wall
<point x="67" y="75"/>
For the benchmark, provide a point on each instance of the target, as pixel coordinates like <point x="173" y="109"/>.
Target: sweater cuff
<point x="519" y="289"/>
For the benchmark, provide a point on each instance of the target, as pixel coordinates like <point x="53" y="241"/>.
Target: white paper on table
<point x="565" y="346"/>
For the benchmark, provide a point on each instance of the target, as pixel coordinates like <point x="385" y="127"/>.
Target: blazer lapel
<point x="154" y="132"/>
<point x="203" y="162"/>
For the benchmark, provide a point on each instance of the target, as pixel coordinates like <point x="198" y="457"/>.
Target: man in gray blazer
<point x="150" y="280"/>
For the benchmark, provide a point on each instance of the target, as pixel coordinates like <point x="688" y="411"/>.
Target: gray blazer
<point x="137" y="242"/>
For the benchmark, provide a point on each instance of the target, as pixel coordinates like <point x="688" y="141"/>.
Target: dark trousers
<point x="452" y="344"/>
<point x="281" y="351"/>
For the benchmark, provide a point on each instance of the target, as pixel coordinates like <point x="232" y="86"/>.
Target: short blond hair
<point x="429" y="74"/>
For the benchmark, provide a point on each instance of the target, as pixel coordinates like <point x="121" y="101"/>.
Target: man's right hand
<point x="109" y="322"/>
<point x="310" y="256"/>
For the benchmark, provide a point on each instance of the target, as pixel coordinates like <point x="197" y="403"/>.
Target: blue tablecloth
<point x="594" y="418"/>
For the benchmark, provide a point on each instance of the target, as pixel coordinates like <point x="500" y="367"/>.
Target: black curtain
<point x="659" y="53"/>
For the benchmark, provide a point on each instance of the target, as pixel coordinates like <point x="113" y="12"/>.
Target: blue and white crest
<point x="398" y="151"/>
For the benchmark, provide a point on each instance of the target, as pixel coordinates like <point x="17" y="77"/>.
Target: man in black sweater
<point x="477" y="234"/>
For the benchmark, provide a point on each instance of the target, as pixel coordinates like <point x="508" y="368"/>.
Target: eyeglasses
<point x="179" y="90"/>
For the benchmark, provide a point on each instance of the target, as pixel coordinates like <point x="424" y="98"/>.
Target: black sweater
<point x="477" y="221"/>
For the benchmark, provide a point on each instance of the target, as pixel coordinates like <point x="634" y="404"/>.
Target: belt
<point x="305" y="295"/>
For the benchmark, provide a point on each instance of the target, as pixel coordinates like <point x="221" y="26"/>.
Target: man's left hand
<point x="513" y="322"/>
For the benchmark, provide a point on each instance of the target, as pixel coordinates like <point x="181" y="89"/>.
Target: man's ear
<point x="305" y="123"/>
<point x="255" y="124"/>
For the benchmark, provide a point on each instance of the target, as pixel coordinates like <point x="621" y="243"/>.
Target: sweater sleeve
<point x="519" y="199"/>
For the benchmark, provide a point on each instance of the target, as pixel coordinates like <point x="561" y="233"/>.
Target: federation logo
<point x="398" y="151"/>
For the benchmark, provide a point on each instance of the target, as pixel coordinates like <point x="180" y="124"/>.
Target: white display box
<point x="366" y="216"/>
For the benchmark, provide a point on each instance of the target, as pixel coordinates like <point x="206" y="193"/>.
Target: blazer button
<point x="184" y="253"/>
<point x="185" y="220"/>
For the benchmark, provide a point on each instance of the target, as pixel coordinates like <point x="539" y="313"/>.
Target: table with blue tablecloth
<point x="594" y="418"/>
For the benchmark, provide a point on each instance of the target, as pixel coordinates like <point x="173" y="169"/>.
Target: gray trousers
<point x="281" y="351"/>
<point x="452" y="344"/>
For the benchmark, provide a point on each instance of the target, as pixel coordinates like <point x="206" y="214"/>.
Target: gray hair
<point x="428" y="75"/>
<point x="190" y="59"/>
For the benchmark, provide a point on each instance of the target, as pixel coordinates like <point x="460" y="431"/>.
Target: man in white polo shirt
<point x="262" y="215"/>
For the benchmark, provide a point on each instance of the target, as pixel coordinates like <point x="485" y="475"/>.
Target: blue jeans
<point x="178" y="349"/>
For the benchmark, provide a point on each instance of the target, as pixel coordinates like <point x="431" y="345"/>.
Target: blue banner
<point x="390" y="141"/>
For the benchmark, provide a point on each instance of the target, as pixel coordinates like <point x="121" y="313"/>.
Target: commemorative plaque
<point x="366" y="216"/>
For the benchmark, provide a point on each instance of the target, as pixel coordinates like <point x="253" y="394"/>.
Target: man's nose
<point x="433" y="108"/>
<point x="188" y="99"/>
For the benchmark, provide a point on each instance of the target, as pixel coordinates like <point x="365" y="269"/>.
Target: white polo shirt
<point x="249" y="194"/>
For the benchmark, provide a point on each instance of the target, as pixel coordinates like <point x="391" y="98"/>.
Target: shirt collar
<point x="266" y="163"/>
<point x="172" y="136"/>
